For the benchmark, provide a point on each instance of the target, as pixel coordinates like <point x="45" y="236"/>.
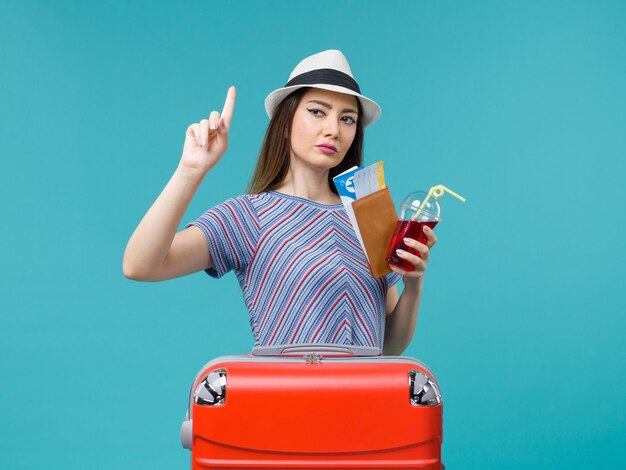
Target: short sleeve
<point x="392" y="278"/>
<point x="231" y="229"/>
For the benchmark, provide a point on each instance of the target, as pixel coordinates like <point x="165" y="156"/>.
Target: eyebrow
<point x="329" y="106"/>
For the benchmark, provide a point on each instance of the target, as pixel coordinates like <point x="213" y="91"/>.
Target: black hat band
<point x="326" y="76"/>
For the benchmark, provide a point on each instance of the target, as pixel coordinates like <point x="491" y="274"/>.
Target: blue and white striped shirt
<point x="302" y="272"/>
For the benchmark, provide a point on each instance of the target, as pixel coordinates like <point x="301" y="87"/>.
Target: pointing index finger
<point x="229" y="104"/>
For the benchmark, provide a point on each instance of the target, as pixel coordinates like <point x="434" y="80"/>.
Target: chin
<point x="329" y="162"/>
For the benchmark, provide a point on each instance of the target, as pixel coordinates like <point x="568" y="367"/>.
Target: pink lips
<point x="327" y="149"/>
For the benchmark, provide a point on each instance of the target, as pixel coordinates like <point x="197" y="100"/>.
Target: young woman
<point x="303" y="274"/>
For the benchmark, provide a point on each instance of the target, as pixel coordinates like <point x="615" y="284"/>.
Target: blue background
<point x="519" y="106"/>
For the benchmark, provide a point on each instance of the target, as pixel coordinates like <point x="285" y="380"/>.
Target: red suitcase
<point x="314" y="406"/>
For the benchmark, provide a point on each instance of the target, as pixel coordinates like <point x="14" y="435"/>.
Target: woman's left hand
<point x="413" y="278"/>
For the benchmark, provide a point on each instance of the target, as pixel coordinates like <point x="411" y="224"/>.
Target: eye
<point x="350" y="119"/>
<point x="315" y="111"/>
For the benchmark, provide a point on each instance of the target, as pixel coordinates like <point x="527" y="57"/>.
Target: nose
<point x="331" y="127"/>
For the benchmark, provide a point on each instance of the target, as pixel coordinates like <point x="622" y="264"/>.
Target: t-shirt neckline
<point x="307" y="201"/>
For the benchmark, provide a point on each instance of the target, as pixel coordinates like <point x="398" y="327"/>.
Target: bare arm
<point x="400" y="324"/>
<point x="402" y="312"/>
<point x="155" y="251"/>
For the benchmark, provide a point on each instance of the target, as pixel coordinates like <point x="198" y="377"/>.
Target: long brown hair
<point x="273" y="162"/>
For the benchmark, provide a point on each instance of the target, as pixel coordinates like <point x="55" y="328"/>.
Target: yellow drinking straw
<point x="437" y="192"/>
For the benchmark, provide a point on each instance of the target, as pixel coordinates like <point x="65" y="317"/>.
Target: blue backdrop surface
<point x="519" y="106"/>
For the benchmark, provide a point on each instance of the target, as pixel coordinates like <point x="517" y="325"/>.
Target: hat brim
<point x="371" y="109"/>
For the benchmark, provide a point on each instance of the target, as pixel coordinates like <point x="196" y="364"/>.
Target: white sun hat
<point x="328" y="70"/>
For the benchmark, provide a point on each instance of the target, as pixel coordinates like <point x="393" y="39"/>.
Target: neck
<point x="308" y="184"/>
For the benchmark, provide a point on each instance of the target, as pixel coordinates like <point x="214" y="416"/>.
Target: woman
<point x="303" y="275"/>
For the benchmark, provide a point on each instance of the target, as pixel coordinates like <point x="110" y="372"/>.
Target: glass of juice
<point x="410" y="227"/>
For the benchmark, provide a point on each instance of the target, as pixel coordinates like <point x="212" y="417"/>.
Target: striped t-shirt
<point x="302" y="271"/>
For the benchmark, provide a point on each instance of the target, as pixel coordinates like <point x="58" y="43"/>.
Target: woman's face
<point x="323" y="118"/>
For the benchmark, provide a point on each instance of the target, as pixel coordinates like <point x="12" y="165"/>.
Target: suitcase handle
<point x="321" y="349"/>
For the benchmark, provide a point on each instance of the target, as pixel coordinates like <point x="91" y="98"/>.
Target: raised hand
<point x="207" y="140"/>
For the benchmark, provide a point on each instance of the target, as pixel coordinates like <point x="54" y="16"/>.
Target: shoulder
<point x="263" y="205"/>
<point x="240" y="205"/>
<point x="236" y="211"/>
<point x="251" y="207"/>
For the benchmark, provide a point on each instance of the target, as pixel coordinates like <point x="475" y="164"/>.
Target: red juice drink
<point x="407" y="229"/>
<point x="417" y="210"/>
